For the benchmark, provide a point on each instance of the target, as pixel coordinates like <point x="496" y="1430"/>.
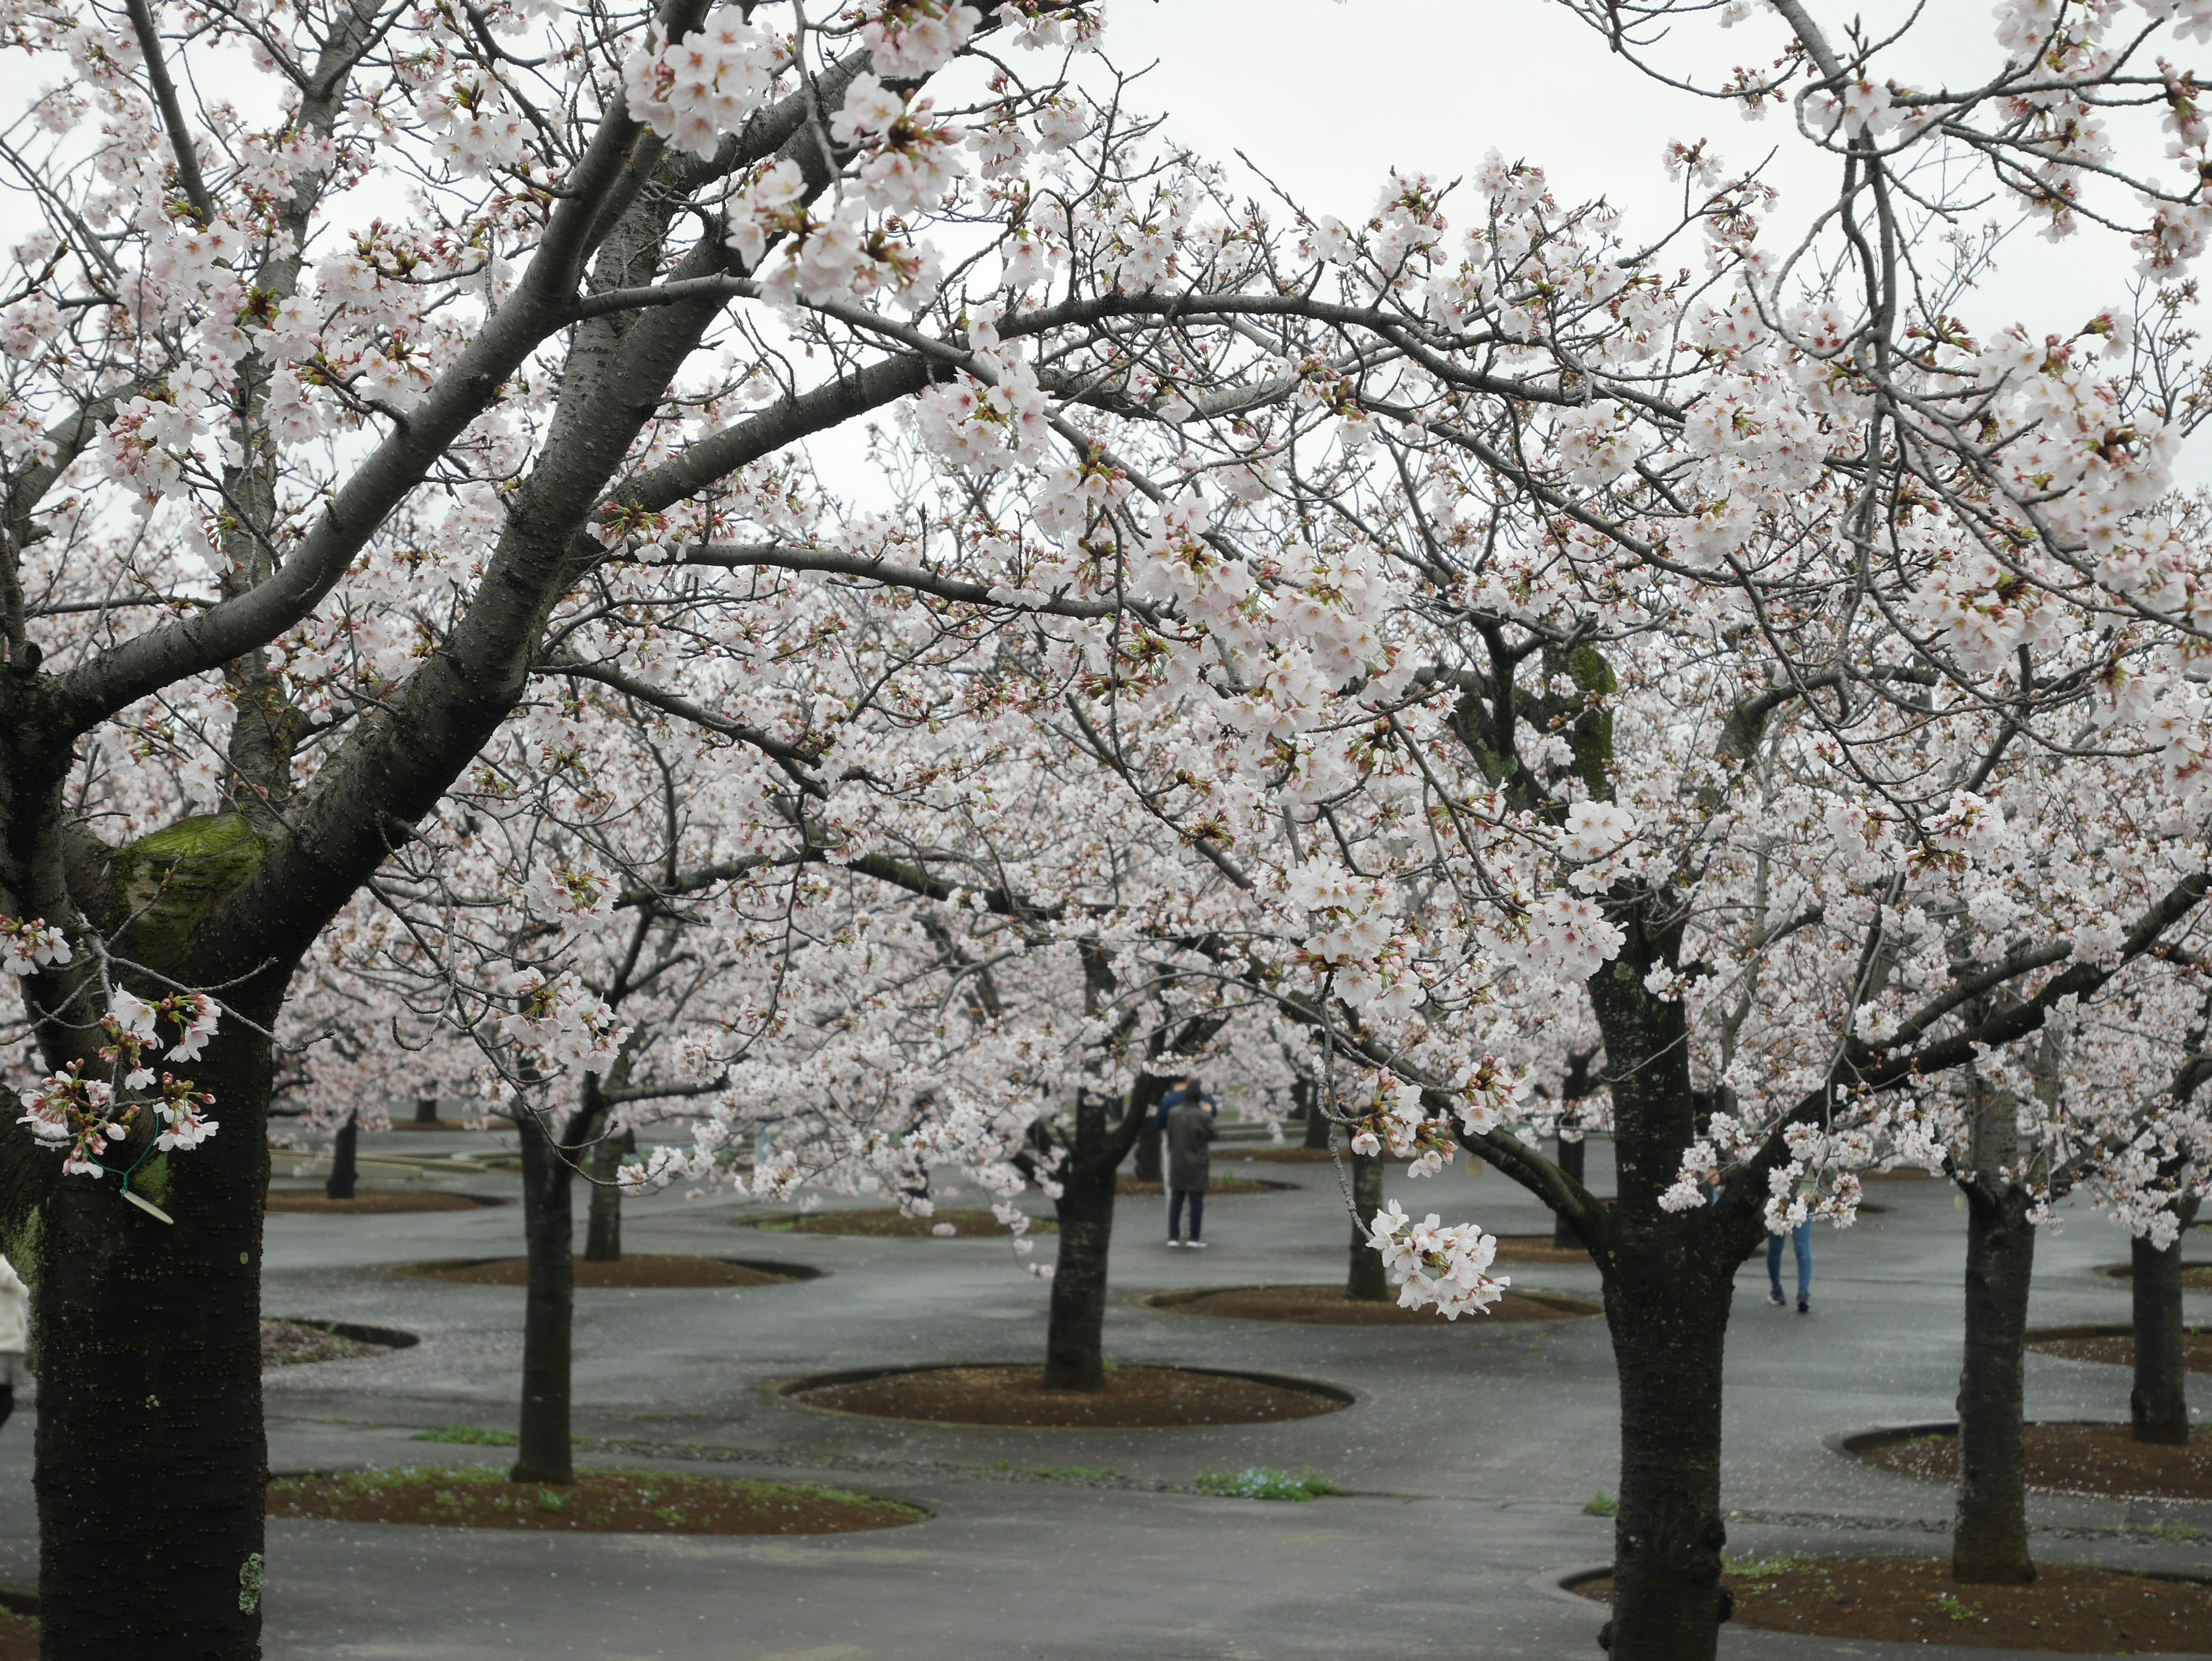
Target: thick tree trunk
<point x="543" y="1454"/>
<point x="1366" y="1282"/>
<point x="2158" y="1406"/>
<point x="1990" y="1542"/>
<point x="344" y="1168"/>
<point x="603" y="1237"/>
<point x="1074" y="1347"/>
<point x="426" y="1110"/>
<point x="1571" y="1161"/>
<point x="1148" y="1151"/>
<point x="1668" y="1340"/>
<point x="152" y="1466"/>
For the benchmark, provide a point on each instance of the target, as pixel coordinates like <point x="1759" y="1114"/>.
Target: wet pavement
<point x="1466" y="1458"/>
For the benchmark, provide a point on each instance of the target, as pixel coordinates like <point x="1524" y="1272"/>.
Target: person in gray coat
<point x="1190" y="1135"/>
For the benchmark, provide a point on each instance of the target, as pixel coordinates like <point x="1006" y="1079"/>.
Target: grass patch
<point x="1258" y="1483"/>
<point x="473" y="1436"/>
<point x="1077" y="1473"/>
<point x="1602" y="1504"/>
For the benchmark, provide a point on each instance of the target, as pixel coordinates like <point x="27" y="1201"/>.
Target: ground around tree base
<point x="1537" y="1248"/>
<point x="1135" y="1398"/>
<point x="1327" y="1305"/>
<point x="599" y="1502"/>
<point x="1907" y="1600"/>
<point x="19" y="1637"/>
<point x="2116" y="1346"/>
<point x="293" y="1343"/>
<point x="635" y="1270"/>
<point x="2101" y="1460"/>
<point x="887" y="1222"/>
<point x="367" y="1202"/>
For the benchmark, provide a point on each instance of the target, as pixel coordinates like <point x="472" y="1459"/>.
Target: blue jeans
<point x="1197" y="1198"/>
<point x="1801" y="1237"/>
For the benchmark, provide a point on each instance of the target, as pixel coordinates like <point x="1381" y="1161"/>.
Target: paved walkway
<point x="1467" y="1458"/>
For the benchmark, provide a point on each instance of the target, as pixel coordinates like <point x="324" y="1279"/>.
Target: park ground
<point x="1466" y="1462"/>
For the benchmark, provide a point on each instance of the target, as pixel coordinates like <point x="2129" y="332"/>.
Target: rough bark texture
<point x="1990" y="1542"/>
<point x="344" y="1164"/>
<point x="1074" y="1351"/>
<point x="426" y="1110"/>
<point x="1366" y="1282"/>
<point x="543" y="1454"/>
<point x="1668" y="1280"/>
<point x="1148" y="1153"/>
<point x="2158" y="1405"/>
<point x="603" y="1237"/>
<point x="151" y="1461"/>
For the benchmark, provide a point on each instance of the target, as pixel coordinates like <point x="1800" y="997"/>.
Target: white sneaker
<point x="1173" y="1242"/>
<point x="1774" y="1296"/>
<point x="1195" y="1245"/>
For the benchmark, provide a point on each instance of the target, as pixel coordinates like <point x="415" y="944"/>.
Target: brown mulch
<point x="292" y="1343"/>
<point x="885" y="1222"/>
<point x="1128" y="1186"/>
<point x="2085" y="1459"/>
<point x="2118" y="1349"/>
<point x="1135" y="1398"/>
<point x="1537" y="1248"/>
<point x="367" y="1202"/>
<point x="636" y="1269"/>
<point x="19" y="1637"/>
<point x="1909" y="1600"/>
<point x="599" y="1502"/>
<point x="1327" y="1306"/>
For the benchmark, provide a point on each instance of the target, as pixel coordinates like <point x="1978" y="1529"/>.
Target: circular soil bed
<point x="1911" y="1600"/>
<point x="1127" y="1186"/>
<point x="1135" y="1398"/>
<point x="886" y="1223"/>
<point x="1267" y="1155"/>
<point x="2116" y="1345"/>
<point x="2102" y="1460"/>
<point x="290" y="1341"/>
<point x="1328" y="1306"/>
<point x="2195" y="1277"/>
<point x="1537" y="1248"/>
<point x="371" y="1203"/>
<point x="637" y="1270"/>
<point x="599" y="1502"/>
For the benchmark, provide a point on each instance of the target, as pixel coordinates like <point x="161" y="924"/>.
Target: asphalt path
<point x="1467" y="1460"/>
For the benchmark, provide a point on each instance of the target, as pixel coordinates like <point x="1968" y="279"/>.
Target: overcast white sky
<point x="1328" y="97"/>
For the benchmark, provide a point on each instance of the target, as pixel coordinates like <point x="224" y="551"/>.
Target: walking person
<point x="1801" y="1241"/>
<point x="1190" y="1164"/>
<point x="15" y="1335"/>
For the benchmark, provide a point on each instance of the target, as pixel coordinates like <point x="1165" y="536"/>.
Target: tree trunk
<point x="343" y="1169"/>
<point x="152" y="1465"/>
<point x="1990" y="1542"/>
<point x="1074" y="1344"/>
<point x="1317" y="1124"/>
<point x="1148" y="1149"/>
<point x="1571" y="1161"/>
<point x="603" y="1238"/>
<point x="2158" y="1406"/>
<point x="1668" y="1341"/>
<point x="543" y="1454"/>
<point x="1366" y="1282"/>
<point x="426" y="1110"/>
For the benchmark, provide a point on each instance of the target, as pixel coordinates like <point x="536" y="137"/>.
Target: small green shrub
<point x="1602" y="1504"/>
<point x="1258" y="1482"/>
